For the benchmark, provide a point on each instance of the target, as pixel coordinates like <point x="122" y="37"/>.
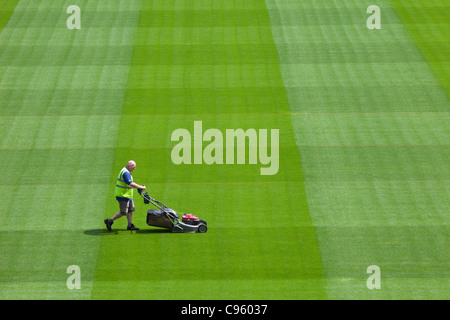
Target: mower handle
<point x="148" y="199"/>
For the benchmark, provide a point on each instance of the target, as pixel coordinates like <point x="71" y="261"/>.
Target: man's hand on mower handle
<point x="137" y="186"/>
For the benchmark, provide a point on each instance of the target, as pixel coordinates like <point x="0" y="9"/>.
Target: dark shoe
<point x="108" y="224"/>
<point x="132" y="227"/>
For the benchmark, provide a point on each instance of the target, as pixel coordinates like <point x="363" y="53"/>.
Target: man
<point x="124" y="195"/>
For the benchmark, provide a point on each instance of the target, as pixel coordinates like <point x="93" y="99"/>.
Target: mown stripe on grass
<point x="58" y="180"/>
<point x="359" y="192"/>
<point x="189" y="66"/>
<point x="429" y="27"/>
<point x="6" y="10"/>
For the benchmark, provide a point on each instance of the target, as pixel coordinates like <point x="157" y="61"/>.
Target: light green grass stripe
<point x="58" y="130"/>
<point x="82" y="132"/>
<point x="373" y="145"/>
<point x="354" y="129"/>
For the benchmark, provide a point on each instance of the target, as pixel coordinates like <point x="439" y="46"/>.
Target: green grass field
<point x="363" y="118"/>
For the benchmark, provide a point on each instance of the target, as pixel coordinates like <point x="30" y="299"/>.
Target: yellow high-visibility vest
<point x="122" y="189"/>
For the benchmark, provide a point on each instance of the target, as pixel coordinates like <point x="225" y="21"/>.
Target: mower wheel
<point x="202" y="228"/>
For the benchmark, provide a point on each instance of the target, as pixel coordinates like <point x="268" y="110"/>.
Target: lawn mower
<point x="167" y="218"/>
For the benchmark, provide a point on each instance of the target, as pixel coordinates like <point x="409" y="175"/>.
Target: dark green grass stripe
<point x="429" y="28"/>
<point x="145" y="54"/>
<point x="421" y="14"/>
<point x="6" y="10"/>
<point x="203" y="18"/>
<point x="261" y="243"/>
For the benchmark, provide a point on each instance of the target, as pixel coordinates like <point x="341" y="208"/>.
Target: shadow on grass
<point x="104" y="232"/>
